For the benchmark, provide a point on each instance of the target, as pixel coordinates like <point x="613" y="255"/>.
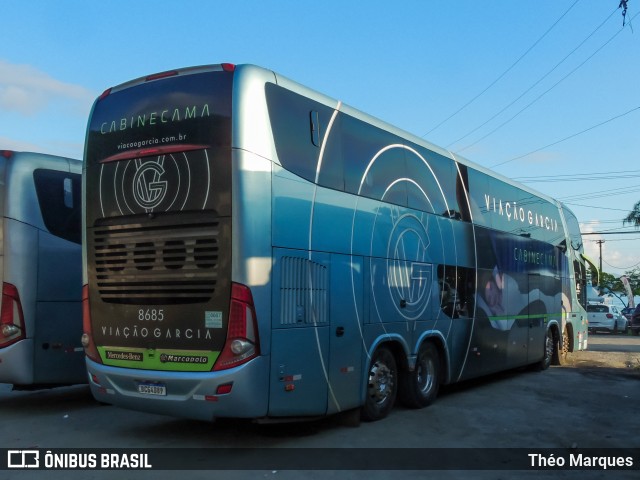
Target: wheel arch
<point x="570" y="333"/>
<point x="398" y="347"/>
<point x="555" y="328"/>
<point x="437" y="339"/>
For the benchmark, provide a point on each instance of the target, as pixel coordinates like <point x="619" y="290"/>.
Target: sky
<point x="545" y="92"/>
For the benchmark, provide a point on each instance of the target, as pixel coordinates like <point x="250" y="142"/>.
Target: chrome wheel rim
<point x="548" y="347"/>
<point x="381" y="383"/>
<point x="425" y="372"/>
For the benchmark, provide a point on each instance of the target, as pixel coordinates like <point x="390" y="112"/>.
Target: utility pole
<point x="600" y="242"/>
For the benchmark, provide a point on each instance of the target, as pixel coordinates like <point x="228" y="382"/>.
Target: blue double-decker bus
<point x="256" y="249"/>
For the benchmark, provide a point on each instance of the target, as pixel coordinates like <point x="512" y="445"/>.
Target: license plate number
<point x="152" y="389"/>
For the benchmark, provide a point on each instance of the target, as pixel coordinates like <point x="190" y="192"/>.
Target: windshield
<point x="574" y="230"/>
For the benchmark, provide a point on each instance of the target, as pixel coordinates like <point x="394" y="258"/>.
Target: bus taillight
<point x="104" y="94"/>
<point x="90" y="349"/>
<point x="11" y="317"/>
<point x="242" y="334"/>
<point x="158" y="76"/>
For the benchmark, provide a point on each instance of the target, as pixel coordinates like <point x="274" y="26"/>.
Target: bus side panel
<point x="292" y="209"/>
<point x="299" y="388"/>
<point x="59" y="271"/>
<point x="300" y="331"/>
<point x="575" y="289"/>
<point x="58" y="356"/>
<point x="333" y="221"/>
<point x="333" y="215"/>
<point x="574" y="320"/>
<point x="16" y="361"/>
<point x="20" y="270"/>
<point x="545" y="305"/>
<point x="252" y="261"/>
<point x="346" y="340"/>
<point x="519" y="292"/>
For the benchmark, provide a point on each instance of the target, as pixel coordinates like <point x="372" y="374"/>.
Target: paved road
<point x="590" y="404"/>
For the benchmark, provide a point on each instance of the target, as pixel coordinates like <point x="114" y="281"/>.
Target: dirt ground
<point x="613" y="351"/>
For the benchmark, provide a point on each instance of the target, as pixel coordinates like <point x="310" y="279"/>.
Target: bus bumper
<point x="16" y="363"/>
<point x="192" y="395"/>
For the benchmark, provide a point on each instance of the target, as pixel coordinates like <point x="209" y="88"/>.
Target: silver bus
<point x="41" y="268"/>
<point x="254" y="248"/>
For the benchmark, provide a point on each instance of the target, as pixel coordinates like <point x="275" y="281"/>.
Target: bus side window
<point x="68" y="193"/>
<point x="59" y="200"/>
<point x="374" y="162"/>
<point x="581" y="282"/>
<point x="300" y="126"/>
<point x="457" y="289"/>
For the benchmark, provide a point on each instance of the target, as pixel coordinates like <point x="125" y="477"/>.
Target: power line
<point x="599" y="208"/>
<point x="579" y="177"/>
<point x="622" y="268"/>
<point x="612" y="231"/>
<point x="602" y="193"/>
<point x="542" y="95"/>
<point x="534" y="84"/>
<point x="606" y="232"/>
<point x="502" y="74"/>
<point x="598" y="222"/>
<point x="569" y="137"/>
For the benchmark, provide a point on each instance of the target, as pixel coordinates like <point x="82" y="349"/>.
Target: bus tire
<point x="419" y="388"/>
<point x="561" y="354"/>
<point x="382" y="385"/>
<point x="548" y="350"/>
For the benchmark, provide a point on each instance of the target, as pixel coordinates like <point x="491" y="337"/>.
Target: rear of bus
<point x="165" y="328"/>
<point x="40" y="270"/>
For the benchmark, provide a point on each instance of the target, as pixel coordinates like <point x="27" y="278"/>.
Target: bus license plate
<point x="152" y="389"/>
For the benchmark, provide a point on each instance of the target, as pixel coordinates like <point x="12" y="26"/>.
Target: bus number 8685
<point x="150" y="314"/>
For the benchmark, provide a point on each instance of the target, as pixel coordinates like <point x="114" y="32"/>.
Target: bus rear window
<point x="190" y="109"/>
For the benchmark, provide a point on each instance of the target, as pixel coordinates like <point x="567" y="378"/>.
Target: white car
<point x="606" y="317"/>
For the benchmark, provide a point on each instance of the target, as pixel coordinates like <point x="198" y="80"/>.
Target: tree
<point x="634" y="280"/>
<point x="612" y="285"/>
<point x="634" y="216"/>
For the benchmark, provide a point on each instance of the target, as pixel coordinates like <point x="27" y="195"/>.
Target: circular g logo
<point x="148" y="188"/>
<point x="409" y="268"/>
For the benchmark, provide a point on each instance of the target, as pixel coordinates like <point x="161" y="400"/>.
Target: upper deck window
<point x="59" y="199"/>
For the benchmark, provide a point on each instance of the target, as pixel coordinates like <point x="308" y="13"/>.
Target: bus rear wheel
<point x="548" y="351"/>
<point x="561" y="353"/>
<point x="420" y="387"/>
<point x="382" y="385"/>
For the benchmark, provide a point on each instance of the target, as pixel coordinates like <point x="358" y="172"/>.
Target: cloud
<point x="7" y="143"/>
<point x="540" y="156"/>
<point x="57" y="147"/>
<point x="28" y="91"/>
